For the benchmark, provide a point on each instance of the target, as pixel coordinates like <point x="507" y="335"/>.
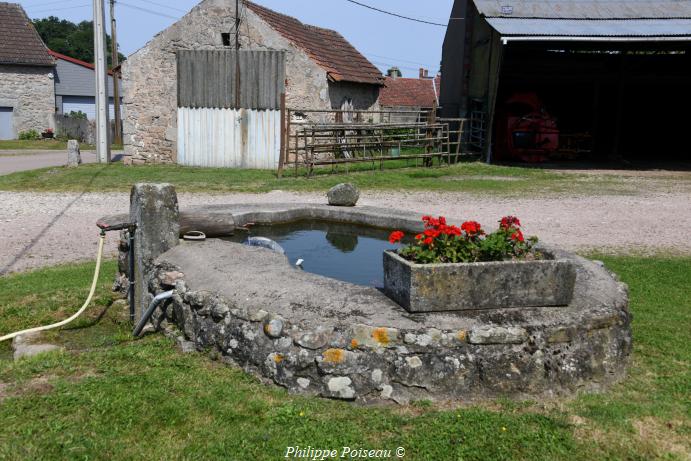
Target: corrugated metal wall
<point x="229" y="138"/>
<point x="214" y="131"/>
<point x="206" y="78"/>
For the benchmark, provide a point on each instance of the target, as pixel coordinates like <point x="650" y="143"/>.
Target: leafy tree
<point x="68" y="38"/>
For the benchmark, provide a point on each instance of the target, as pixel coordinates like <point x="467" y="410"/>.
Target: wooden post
<point x="431" y="120"/>
<point x="284" y="147"/>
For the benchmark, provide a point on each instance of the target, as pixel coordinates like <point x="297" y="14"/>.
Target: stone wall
<point x="30" y="91"/>
<point x="150" y="78"/>
<point x="310" y="346"/>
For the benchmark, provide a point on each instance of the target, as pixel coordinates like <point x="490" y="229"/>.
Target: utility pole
<point x="116" y="74"/>
<point x="102" y="122"/>
<point x="237" y="54"/>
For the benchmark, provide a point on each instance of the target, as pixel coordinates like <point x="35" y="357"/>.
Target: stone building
<point x="323" y="70"/>
<point x="27" y="91"/>
<point x="409" y="94"/>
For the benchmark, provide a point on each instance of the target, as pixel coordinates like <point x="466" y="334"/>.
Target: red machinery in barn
<point x="525" y="131"/>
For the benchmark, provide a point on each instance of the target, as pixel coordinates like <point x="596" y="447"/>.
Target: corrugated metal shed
<point x="585" y="9"/>
<point x="592" y="28"/>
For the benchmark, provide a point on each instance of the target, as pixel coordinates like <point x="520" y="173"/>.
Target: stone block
<point x="484" y="285"/>
<point x="498" y="335"/>
<point x="368" y="336"/>
<point x="74" y="156"/>
<point x="154" y="208"/>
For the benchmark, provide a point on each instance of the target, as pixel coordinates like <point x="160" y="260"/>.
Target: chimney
<point x="394" y="73"/>
<point x="424" y="73"/>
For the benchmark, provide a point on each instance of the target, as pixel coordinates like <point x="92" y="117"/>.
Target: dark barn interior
<point x="612" y="101"/>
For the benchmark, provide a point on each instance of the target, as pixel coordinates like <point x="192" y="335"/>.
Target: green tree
<point x="68" y="38"/>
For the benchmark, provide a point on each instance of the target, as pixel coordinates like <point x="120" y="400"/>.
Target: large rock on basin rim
<point x="343" y="195"/>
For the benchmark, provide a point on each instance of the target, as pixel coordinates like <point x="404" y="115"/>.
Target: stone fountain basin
<point x="319" y="336"/>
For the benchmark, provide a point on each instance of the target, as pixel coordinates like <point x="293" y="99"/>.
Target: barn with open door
<point x="597" y="81"/>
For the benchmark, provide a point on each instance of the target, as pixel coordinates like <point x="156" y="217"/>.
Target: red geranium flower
<point x="429" y="241"/>
<point x="509" y="221"/>
<point x="517" y="236"/>
<point x="471" y="228"/>
<point x="434" y="233"/>
<point x="396" y="237"/>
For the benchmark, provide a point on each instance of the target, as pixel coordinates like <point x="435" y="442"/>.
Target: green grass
<point x="42" y="144"/>
<point x="465" y="177"/>
<point x="109" y="397"/>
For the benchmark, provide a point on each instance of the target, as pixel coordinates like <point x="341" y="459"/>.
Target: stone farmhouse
<point x="413" y="94"/>
<point x="27" y="90"/>
<point x="323" y="70"/>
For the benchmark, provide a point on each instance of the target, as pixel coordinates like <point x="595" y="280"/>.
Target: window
<point x="225" y="37"/>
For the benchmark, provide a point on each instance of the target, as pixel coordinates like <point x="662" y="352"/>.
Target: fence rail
<point x="315" y="138"/>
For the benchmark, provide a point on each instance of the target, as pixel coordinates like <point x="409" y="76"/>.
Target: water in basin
<point x="351" y="253"/>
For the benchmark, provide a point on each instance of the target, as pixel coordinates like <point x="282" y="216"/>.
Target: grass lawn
<point x="464" y="177"/>
<point x="42" y="144"/>
<point x="109" y="397"/>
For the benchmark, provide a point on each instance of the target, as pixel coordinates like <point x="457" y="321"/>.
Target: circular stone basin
<point x="316" y="335"/>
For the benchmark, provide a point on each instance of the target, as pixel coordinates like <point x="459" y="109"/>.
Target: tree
<point x="73" y="40"/>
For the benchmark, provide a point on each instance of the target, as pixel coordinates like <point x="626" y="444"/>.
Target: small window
<point x="225" y="37"/>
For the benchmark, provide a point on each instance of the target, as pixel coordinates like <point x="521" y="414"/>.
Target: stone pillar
<point x="74" y="156"/>
<point x="154" y="208"/>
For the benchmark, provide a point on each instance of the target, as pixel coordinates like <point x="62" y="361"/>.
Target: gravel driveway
<point x="48" y="229"/>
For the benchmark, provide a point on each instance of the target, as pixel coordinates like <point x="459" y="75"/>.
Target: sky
<point x="386" y="40"/>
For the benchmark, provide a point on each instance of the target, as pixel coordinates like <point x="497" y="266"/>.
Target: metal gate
<point x="229" y="108"/>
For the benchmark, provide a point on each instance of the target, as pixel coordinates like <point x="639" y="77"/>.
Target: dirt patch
<point x="662" y="435"/>
<point x="482" y="178"/>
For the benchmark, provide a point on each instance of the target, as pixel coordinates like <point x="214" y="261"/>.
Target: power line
<point x="396" y="14"/>
<point x="146" y="10"/>
<point x="164" y="6"/>
<point x="60" y="9"/>
<point x="34" y="5"/>
<point x="398" y="59"/>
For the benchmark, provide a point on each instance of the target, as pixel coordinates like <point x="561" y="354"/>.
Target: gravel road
<point x="47" y="229"/>
<point x="12" y="161"/>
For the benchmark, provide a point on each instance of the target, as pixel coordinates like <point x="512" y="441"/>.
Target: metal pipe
<point x="150" y="310"/>
<point x="130" y="292"/>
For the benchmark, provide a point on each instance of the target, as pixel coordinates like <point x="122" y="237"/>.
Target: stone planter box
<point x="485" y="285"/>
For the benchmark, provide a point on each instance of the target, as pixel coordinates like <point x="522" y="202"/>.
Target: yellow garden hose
<point x="80" y="311"/>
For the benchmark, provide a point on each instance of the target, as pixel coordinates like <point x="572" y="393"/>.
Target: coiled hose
<point x="101" y="242"/>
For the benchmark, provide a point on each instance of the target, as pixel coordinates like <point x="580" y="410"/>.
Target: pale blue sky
<point x="385" y="40"/>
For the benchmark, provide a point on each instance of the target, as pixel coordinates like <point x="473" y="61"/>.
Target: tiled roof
<point x="19" y="41"/>
<point x="79" y="62"/>
<point x="328" y="48"/>
<point x="410" y="92"/>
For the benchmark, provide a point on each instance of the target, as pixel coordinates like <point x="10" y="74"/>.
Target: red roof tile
<point x="79" y="62"/>
<point x="410" y="92"/>
<point x="328" y="48"/>
<point x="19" y="42"/>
